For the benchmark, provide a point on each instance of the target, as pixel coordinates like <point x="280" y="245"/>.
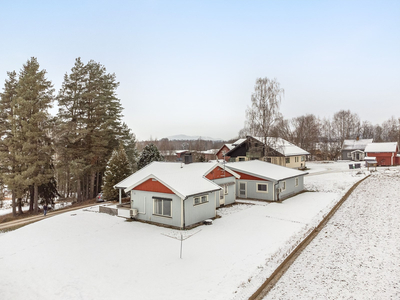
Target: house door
<point x="221" y="197"/>
<point x="242" y="190"/>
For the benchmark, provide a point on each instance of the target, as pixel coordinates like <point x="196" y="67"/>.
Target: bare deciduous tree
<point x="390" y="130"/>
<point x="367" y="130"/>
<point x="306" y="132"/>
<point x="346" y="125"/>
<point x="263" y="113"/>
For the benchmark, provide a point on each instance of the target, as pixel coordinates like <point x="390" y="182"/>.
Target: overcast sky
<point x="189" y="67"/>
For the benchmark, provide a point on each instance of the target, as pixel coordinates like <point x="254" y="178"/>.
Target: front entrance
<point x="242" y="190"/>
<point x="221" y="197"/>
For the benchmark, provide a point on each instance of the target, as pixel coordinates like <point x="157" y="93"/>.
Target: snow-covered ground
<point x="357" y="254"/>
<point x="6" y="207"/>
<point x="88" y="255"/>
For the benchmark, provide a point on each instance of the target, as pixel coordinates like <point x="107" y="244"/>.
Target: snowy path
<point x="357" y="255"/>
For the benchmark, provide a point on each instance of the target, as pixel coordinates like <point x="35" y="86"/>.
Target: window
<point x="200" y="200"/>
<point x="242" y="158"/>
<point x="226" y="190"/>
<point x="162" y="207"/>
<point x="262" y="187"/>
<point x="296" y="181"/>
<point x="269" y="159"/>
<point x="296" y="159"/>
<point x="283" y="186"/>
<point x="288" y="160"/>
<point x="303" y="158"/>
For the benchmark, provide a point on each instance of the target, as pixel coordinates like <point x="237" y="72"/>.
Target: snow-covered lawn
<point x="88" y="255"/>
<point x="357" y="254"/>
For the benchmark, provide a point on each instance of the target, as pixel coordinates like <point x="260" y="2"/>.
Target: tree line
<point x="44" y="156"/>
<point x="322" y="138"/>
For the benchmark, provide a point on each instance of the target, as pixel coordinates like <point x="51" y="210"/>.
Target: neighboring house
<point x="354" y="149"/>
<point x="385" y="154"/>
<point x="209" y="154"/>
<point x="223" y="150"/>
<point x="279" y="152"/>
<point x="265" y="181"/>
<point x="178" y="194"/>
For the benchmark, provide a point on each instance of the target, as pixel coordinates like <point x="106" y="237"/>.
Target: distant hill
<point x="191" y="138"/>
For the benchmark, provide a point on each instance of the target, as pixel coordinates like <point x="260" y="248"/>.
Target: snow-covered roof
<point x="278" y="144"/>
<point x="264" y="170"/>
<point x="183" y="179"/>
<point x="283" y="146"/>
<point x="181" y="151"/>
<point x="381" y="147"/>
<point x="370" y="158"/>
<point x="210" y="151"/>
<point x="238" y="142"/>
<point x="356" y="144"/>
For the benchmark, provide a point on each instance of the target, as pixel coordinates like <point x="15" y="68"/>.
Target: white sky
<point x="189" y="67"/>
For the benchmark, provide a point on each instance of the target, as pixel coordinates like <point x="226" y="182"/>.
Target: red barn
<point x="386" y="154"/>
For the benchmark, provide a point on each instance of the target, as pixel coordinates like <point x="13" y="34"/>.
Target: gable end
<point x="153" y="185"/>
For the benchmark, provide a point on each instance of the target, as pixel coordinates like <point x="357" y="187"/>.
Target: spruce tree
<point x="128" y="139"/>
<point x="118" y="168"/>
<point x="149" y="154"/>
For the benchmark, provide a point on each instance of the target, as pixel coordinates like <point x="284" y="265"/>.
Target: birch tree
<point x="263" y="113"/>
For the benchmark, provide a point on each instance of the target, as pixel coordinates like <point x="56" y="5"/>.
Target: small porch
<point x="357" y="155"/>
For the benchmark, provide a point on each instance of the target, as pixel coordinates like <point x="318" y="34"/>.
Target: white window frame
<point x="303" y="158"/>
<point x="296" y="181"/>
<point x="226" y="189"/>
<point x="283" y="188"/>
<point x="162" y="207"/>
<point x="201" y="199"/>
<point x="262" y="183"/>
<point x="287" y="160"/>
<point x="296" y="159"/>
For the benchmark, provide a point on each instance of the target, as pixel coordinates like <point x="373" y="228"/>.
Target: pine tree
<point x="149" y="154"/>
<point x="118" y="168"/>
<point x="34" y="98"/>
<point x="9" y="148"/>
<point x="89" y="126"/>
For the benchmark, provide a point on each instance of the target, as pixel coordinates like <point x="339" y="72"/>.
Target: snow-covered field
<point x="88" y="255"/>
<point x="357" y="254"/>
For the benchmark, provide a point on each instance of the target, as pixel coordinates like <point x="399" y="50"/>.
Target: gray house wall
<point x="291" y="189"/>
<point x="200" y="212"/>
<point x="346" y="154"/>
<point x="251" y="189"/>
<point x="143" y="201"/>
<point x="231" y="196"/>
<point x="252" y="193"/>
